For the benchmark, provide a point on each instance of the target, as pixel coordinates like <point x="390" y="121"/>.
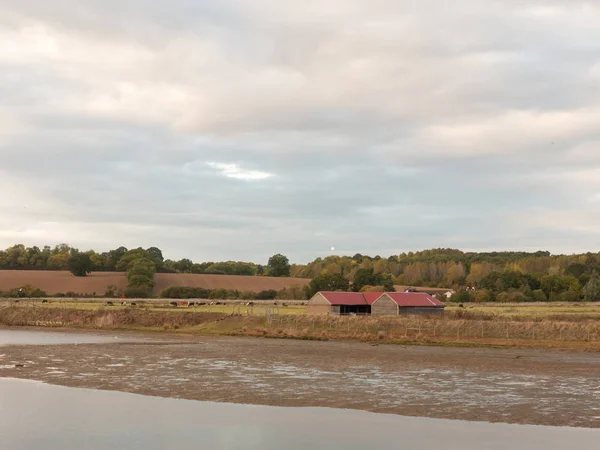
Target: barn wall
<point x="384" y="306"/>
<point x="318" y="305"/>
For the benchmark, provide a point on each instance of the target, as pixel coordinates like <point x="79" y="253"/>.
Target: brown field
<point x="97" y="282"/>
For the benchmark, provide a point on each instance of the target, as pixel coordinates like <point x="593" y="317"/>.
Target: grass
<point x="548" y="326"/>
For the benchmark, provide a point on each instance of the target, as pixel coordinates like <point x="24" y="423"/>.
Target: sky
<point x="234" y="130"/>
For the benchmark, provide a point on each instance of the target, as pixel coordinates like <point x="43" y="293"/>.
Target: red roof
<point x="344" y="298"/>
<point x="414" y="299"/>
<point x="370" y="297"/>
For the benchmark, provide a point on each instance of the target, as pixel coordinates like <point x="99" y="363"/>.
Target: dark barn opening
<point x="355" y="309"/>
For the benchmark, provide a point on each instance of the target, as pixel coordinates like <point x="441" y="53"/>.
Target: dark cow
<point x="173" y="304"/>
<point x="110" y="304"/>
<point x="44" y="301"/>
<point x="133" y="304"/>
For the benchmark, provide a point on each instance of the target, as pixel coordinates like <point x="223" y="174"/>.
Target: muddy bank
<point x="497" y="385"/>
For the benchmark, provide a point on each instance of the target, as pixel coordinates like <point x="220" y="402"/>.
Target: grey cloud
<point x="388" y="126"/>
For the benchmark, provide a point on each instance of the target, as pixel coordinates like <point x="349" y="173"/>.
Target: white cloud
<point x="239" y="173"/>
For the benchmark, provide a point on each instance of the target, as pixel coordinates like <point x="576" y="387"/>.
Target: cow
<point x="44" y="301"/>
<point x="124" y="304"/>
<point x="133" y="304"/>
<point x="173" y="304"/>
<point x="191" y="304"/>
<point x="201" y="304"/>
<point x="110" y="304"/>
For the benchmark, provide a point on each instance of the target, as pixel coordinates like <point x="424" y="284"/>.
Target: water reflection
<point x="35" y="415"/>
<point x="28" y="337"/>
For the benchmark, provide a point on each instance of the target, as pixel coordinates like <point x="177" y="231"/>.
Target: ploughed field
<point x="545" y="387"/>
<point x="57" y="282"/>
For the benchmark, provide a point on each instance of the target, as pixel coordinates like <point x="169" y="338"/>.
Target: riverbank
<point x="451" y="330"/>
<point x="525" y="386"/>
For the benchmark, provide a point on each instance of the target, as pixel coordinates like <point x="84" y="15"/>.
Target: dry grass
<point x="449" y="330"/>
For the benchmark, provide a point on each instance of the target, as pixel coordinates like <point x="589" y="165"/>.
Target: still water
<point x="34" y="415"/>
<point x="28" y="337"/>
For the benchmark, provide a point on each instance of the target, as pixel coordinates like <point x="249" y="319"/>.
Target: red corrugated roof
<point x="370" y="297"/>
<point x="414" y="299"/>
<point x="344" y="298"/>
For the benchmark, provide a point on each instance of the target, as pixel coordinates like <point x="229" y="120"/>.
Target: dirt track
<point x="509" y="385"/>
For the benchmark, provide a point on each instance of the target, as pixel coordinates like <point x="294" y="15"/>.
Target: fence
<point x="448" y="329"/>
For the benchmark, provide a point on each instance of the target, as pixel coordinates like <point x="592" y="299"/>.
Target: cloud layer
<point x="236" y="130"/>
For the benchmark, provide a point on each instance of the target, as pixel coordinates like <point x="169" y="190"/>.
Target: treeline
<point x="60" y="257"/>
<point x="487" y="276"/>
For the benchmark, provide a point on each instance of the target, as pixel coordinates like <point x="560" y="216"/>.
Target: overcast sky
<point x="238" y="129"/>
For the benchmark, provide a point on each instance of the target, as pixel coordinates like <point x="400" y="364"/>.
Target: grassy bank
<point x="457" y="329"/>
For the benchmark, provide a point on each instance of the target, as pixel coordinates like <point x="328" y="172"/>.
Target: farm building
<point x="375" y="303"/>
<point x="394" y="303"/>
<point x="338" y="303"/>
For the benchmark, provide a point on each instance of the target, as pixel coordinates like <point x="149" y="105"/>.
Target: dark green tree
<point x="279" y="266"/>
<point x="80" y="264"/>
<point x="328" y="282"/>
<point x="364" y="277"/>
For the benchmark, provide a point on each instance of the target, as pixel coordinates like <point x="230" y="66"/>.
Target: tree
<point x="279" y="266"/>
<point x="362" y="278"/>
<point x="591" y="291"/>
<point x="80" y="264"/>
<point x="328" y="282"/>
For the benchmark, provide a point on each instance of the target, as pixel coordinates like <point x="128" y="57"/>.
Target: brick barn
<point x="374" y="303"/>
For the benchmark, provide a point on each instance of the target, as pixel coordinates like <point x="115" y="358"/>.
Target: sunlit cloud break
<point x="239" y="173"/>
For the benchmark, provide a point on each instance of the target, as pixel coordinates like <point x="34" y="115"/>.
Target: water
<point x="27" y="337"/>
<point x="35" y="415"/>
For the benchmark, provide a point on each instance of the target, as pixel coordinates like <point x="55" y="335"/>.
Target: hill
<point x="55" y="282"/>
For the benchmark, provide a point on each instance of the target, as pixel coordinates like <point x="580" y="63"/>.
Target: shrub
<point x="185" y="292"/>
<point x="539" y="296"/>
<point x="27" y="291"/>
<point x="138" y="292"/>
<point x="271" y="294"/>
<point x="513" y="296"/>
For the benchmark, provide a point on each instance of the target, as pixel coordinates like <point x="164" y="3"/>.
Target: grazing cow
<point x="250" y="304"/>
<point x="275" y="303"/>
<point x="124" y="304"/>
<point x="173" y="304"/>
<point x="212" y="303"/>
<point x="44" y="301"/>
<point x="133" y="304"/>
<point x="110" y="304"/>
<point x="461" y="305"/>
<point x="190" y="304"/>
<point x="218" y="303"/>
<point x="201" y="303"/>
<point x="284" y="305"/>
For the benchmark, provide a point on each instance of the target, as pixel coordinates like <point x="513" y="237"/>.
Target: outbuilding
<point x="395" y="303"/>
<point x="339" y="303"/>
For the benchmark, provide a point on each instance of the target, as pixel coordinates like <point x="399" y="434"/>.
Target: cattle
<point x="133" y="304"/>
<point x="284" y="305"/>
<point x="124" y="304"/>
<point x="110" y="304"/>
<point x="201" y="303"/>
<point x="190" y="304"/>
<point x="173" y="304"/>
<point x="250" y="304"/>
<point x="461" y="305"/>
<point x="44" y="301"/>
<point x="17" y="301"/>
<point x="212" y="303"/>
<point x="275" y="303"/>
<point x="218" y="303"/>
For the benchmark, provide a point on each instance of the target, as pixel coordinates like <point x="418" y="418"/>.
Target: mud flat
<point x="527" y="386"/>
